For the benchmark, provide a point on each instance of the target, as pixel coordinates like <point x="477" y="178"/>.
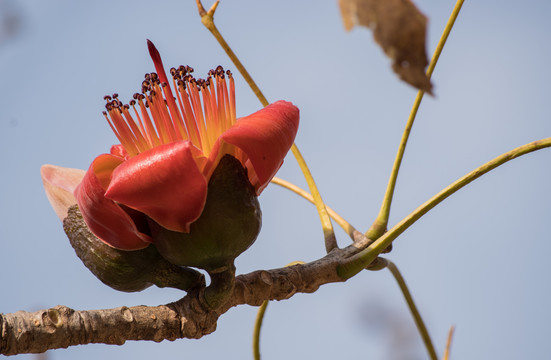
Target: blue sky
<point x="478" y="261"/>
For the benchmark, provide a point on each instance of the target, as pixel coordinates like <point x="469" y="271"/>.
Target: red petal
<point x="164" y="183"/>
<point x="118" y="150"/>
<point x="265" y="137"/>
<point x="104" y="217"/>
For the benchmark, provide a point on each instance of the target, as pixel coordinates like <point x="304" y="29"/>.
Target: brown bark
<point x="190" y="317"/>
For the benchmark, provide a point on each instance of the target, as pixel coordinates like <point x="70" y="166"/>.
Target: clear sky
<point x="478" y="261"/>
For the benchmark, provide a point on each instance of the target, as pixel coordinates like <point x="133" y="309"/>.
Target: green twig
<point x="380" y="224"/>
<point x="257" y="327"/>
<point x="358" y="262"/>
<point x="414" y="312"/>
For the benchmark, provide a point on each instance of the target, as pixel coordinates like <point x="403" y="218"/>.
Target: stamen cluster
<point x="201" y="111"/>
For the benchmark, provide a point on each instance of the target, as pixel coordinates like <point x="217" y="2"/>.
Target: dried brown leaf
<point x="399" y="28"/>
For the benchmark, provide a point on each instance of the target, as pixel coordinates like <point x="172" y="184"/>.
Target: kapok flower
<point x="169" y="148"/>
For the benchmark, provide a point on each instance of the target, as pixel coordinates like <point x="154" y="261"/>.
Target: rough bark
<point x="190" y="317"/>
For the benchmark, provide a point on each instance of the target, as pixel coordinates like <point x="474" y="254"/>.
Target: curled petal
<point x="60" y="183"/>
<point x="118" y="150"/>
<point x="164" y="183"/>
<point x="106" y="219"/>
<point x="265" y="137"/>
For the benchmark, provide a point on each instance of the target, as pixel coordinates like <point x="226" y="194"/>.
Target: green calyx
<point x="127" y="271"/>
<point x="228" y="225"/>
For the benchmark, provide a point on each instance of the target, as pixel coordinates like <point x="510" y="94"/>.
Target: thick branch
<point x="61" y="327"/>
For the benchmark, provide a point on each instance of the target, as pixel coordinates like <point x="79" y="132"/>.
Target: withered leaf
<point x="399" y="28"/>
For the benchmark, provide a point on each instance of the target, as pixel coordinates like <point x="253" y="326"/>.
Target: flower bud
<point x="122" y="270"/>
<point x="228" y="225"/>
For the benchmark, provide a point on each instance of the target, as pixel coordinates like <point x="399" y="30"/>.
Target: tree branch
<point x="61" y="327"/>
<point x="189" y="317"/>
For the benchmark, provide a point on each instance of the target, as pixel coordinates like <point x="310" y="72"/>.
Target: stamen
<point x="211" y="121"/>
<point x="187" y="114"/>
<point x="124" y="134"/>
<point x="193" y="91"/>
<point x="201" y="111"/>
<point x="158" y="118"/>
<point x="226" y="108"/>
<point x="151" y="133"/>
<point x="232" y="98"/>
<point x="140" y="142"/>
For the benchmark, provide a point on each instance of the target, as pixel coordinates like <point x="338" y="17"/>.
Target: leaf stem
<point x="207" y="18"/>
<point x="380" y="224"/>
<point x="413" y="308"/>
<point x="358" y="262"/>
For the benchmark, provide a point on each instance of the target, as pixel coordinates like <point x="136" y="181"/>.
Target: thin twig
<point x="448" y="344"/>
<point x="413" y="309"/>
<point x="381" y="222"/>
<point x="257" y="327"/>
<point x="359" y="261"/>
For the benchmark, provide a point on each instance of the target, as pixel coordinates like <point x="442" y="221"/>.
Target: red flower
<point x="164" y="162"/>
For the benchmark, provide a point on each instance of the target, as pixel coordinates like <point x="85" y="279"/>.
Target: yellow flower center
<point x="201" y="111"/>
